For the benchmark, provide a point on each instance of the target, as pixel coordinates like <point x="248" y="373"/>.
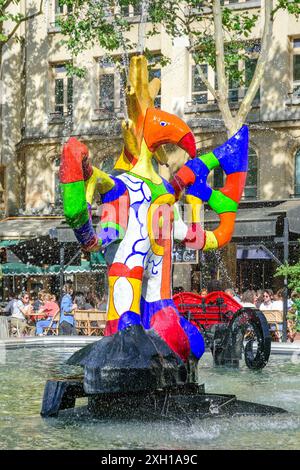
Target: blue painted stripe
<point x="233" y="154"/>
<point x="128" y="319"/>
<point x="168" y="186"/>
<point x="85" y="233"/>
<point x="196" y="340"/>
<point x="117" y="191"/>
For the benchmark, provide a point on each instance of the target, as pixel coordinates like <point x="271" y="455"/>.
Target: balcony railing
<point x="60" y="116"/>
<point x="294" y="96"/>
<point x="108" y="113"/>
<point x="200" y="101"/>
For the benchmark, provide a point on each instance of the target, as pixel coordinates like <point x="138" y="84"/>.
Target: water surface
<point x="22" y="380"/>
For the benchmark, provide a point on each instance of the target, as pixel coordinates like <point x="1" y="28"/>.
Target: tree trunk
<point x="220" y="69"/>
<point x="261" y="64"/>
<point x="234" y="123"/>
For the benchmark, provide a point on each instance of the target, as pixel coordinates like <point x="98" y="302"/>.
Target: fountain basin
<point x="23" y="374"/>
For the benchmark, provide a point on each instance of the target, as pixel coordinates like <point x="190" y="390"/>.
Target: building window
<point x="233" y="88"/>
<point x="250" y="65"/>
<point x="131" y="10"/>
<point x="297" y="173"/>
<point x="229" y="2"/>
<point x="199" y="89"/>
<point x="63" y="91"/>
<point x="296" y="68"/>
<point x="2" y="189"/>
<point x="107" y="92"/>
<point x="125" y="10"/>
<point x="218" y="178"/>
<point x="112" y="83"/>
<point x="250" y="191"/>
<point x="57" y="191"/>
<point x="110" y="87"/>
<point x="137" y="9"/>
<point x="60" y="11"/>
<point x="156" y="73"/>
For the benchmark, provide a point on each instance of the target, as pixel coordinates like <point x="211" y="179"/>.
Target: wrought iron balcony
<point x="201" y="103"/>
<point x="60" y="116"/>
<point x="294" y="96"/>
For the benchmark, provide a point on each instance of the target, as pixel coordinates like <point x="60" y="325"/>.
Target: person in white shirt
<point x="248" y="298"/>
<point x="22" y="310"/>
<point x="267" y="303"/>
<point x="278" y="301"/>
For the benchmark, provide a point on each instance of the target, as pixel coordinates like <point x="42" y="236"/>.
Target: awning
<point x="31" y="240"/>
<point x="8" y="243"/>
<point x="290" y="209"/>
<point x="97" y="258"/>
<point x="252" y="253"/>
<point x="44" y="250"/>
<point x="22" y="228"/>
<point x="38" y="243"/>
<point x="22" y="269"/>
<point x="254" y="222"/>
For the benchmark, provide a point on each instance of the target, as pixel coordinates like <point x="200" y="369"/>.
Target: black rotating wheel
<point x="247" y="333"/>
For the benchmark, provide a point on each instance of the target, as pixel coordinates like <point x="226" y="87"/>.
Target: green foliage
<point x="196" y="22"/>
<point x="92" y="23"/>
<point x="72" y="70"/>
<point x="14" y="19"/>
<point x="291" y="6"/>
<point x="293" y="274"/>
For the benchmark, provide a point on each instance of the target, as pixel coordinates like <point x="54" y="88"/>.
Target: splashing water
<point x="22" y="378"/>
<point x="224" y="275"/>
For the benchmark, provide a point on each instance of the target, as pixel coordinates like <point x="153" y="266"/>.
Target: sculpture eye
<point x="163" y="123"/>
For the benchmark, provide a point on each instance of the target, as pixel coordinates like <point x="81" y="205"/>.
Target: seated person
<point x="248" y="298"/>
<point x="67" y="311"/>
<point x="50" y="308"/>
<point x="20" y="318"/>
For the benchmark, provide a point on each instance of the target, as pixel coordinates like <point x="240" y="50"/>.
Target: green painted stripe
<point x="75" y="206"/>
<point x="176" y="213"/>
<point x="221" y="203"/>
<point x="210" y="160"/>
<point x="156" y="189"/>
<point x="115" y="226"/>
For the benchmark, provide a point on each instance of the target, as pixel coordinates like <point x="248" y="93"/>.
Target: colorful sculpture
<point x="139" y="217"/>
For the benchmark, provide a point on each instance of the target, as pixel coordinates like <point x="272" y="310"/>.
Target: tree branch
<point x="260" y="66"/>
<point x="220" y="67"/>
<point x="22" y="20"/>
<point x="207" y="83"/>
<point x="200" y="72"/>
<point x="6" y="5"/>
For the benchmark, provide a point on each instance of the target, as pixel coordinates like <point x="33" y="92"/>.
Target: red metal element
<point x="209" y="310"/>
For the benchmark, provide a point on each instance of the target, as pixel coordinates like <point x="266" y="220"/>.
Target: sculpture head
<point x="161" y="128"/>
<point x="149" y="126"/>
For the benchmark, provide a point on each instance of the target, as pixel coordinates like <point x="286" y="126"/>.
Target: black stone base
<point x="131" y="360"/>
<point x="183" y="403"/>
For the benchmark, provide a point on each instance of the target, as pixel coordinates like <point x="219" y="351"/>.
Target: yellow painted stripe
<point x="195" y="204"/>
<point x="211" y="243"/>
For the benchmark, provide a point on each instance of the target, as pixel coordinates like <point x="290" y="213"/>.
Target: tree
<point x="220" y="36"/>
<point x="293" y="274"/>
<point x="216" y="34"/>
<point x="10" y="21"/>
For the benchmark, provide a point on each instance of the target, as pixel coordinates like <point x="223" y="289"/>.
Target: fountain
<point x="147" y="362"/>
